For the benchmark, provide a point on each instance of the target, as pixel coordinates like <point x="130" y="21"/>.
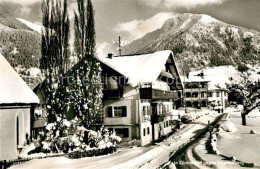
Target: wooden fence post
<point x="5" y="164"/>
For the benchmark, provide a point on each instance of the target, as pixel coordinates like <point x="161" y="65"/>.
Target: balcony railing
<point x="150" y="93"/>
<point x="145" y="118"/>
<point x="112" y="94"/>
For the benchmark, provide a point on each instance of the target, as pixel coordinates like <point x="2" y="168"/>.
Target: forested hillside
<point x="18" y="43"/>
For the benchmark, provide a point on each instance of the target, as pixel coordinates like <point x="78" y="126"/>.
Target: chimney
<point x="202" y="74"/>
<point x="110" y="55"/>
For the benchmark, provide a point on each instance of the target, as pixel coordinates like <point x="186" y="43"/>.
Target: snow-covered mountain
<point x="19" y="44"/>
<point x="199" y="40"/>
<point x="37" y="28"/>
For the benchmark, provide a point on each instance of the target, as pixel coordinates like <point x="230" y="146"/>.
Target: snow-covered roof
<point x="143" y="68"/>
<point x="12" y="87"/>
<point x="195" y="78"/>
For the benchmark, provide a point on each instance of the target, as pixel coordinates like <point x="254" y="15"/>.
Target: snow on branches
<point x="248" y="92"/>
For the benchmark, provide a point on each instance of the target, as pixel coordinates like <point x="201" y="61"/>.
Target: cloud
<point x="179" y="3"/>
<point x="22" y="2"/>
<point x="138" y="28"/>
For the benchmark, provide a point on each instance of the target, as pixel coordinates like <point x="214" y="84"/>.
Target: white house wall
<point x="148" y="137"/>
<point x="131" y="101"/>
<point x="8" y="140"/>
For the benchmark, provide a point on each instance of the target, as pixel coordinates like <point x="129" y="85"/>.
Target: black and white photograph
<point x="129" y="84"/>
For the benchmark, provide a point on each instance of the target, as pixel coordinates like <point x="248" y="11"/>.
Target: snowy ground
<point x="241" y="144"/>
<point x="238" y="143"/>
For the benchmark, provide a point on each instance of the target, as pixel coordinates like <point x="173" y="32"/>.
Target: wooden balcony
<point x="149" y="93"/>
<point x="157" y="118"/>
<point x="112" y="94"/>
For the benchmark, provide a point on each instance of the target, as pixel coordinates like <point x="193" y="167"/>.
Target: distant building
<point x="17" y="102"/>
<point x="200" y="92"/>
<point x="217" y="97"/>
<point x="140" y="92"/>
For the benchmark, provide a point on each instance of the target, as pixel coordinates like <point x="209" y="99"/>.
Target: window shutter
<point x="124" y="111"/>
<point x="109" y="111"/>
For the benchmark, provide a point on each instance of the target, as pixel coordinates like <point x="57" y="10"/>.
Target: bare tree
<point x="248" y="92"/>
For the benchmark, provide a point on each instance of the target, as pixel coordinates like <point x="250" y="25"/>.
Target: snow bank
<point x="228" y="126"/>
<point x="27" y="149"/>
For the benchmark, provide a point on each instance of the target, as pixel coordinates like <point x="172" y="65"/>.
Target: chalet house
<point x="200" y="92"/>
<point x="139" y="94"/>
<point x="17" y="103"/>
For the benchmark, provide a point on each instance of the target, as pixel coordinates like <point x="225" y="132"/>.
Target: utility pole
<point x="184" y="92"/>
<point x="119" y="46"/>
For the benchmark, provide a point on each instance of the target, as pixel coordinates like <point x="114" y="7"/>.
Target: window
<point x="144" y="131"/>
<point x="210" y="94"/>
<point x="203" y="94"/>
<point x="195" y="94"/>
<point x="116" y="111"/>
<point x="188" y="94"/>
<point x="109" y="111"/>
<point x="217" y="94"/>
<point x="164" y="108"/>
<point x="167" y="123"/>
<point x="159" y="109"/>
<point x="202" y="85"/>
<point x="148" y="130"/>
<point x="17" y="130"/>
<point x="146" y="110"/>
<point x="122" y="132"/>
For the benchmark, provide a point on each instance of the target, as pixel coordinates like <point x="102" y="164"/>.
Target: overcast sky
<point x="133" y="18"/>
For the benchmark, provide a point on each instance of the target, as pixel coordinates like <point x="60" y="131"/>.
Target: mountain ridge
<point x="199" y="40"/>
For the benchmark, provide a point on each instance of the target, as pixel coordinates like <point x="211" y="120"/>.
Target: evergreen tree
<point x="54" y="59"/>
<point x="87" y="92"/>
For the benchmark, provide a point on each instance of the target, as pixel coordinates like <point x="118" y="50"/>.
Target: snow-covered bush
<point x="103" y="138"/>
<point x="75" y="140"/>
